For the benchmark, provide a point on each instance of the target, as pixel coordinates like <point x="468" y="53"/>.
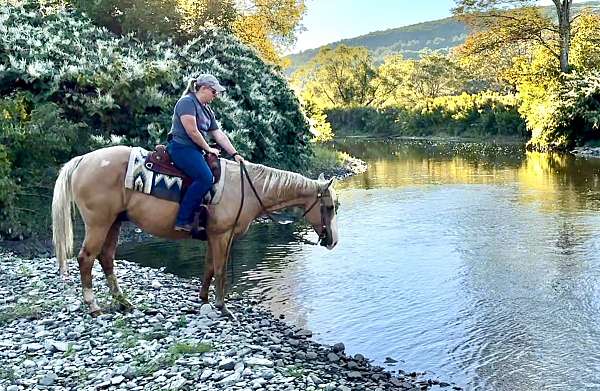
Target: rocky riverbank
<point x="169" y="342"/>
<point x="586" y="152"/>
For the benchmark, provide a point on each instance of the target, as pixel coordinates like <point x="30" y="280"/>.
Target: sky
<point x="329" y="21"/>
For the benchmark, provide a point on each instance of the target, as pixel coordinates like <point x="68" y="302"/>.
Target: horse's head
<point x="321" y="213"/>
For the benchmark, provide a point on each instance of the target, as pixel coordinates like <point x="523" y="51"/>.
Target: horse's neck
<point x="279" y="188"/>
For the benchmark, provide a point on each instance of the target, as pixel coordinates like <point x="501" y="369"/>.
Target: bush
<point x="479" y="115"/>
<point x="39" y="139"/>
<point x="572" y="115"/>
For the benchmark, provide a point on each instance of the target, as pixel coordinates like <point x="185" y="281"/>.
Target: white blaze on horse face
<point x="104" y="163"/>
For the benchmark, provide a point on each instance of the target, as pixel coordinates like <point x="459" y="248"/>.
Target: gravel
<point x="170" y="341"/>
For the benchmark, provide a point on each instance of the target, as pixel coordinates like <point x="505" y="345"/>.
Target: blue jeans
<point x="191" y="161"/>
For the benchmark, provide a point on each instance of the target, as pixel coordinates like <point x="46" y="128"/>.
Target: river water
<point x="476" y="263"/>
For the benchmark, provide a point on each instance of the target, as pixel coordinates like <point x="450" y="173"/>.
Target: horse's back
<point x="98" y="181"/>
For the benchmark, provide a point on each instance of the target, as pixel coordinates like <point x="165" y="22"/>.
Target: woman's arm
<point x="191" y="128"/>
<point x="222" y="139"/>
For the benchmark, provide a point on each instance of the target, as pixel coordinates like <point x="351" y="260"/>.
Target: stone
<point x="257" y="361"/>
<point x="304" y="333"/>
<point x="34" y="347"/>
<point x="227" y="364"/>
<point x="156" y="284"/>
<point x="48" y="379"/>
<point x="206" y="374"/>
<point x="177" y="383"/>
<point x="231" y="379"/>
<point x="354" y="375"/>
<point x="333" y="357"/>
<point x="311" y="355"/>
<point x="338" y="347"/>
<point x="28" y="364"/>
<point x="117" y="380"/>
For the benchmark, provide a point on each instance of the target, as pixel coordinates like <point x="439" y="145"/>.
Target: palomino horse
<point x="95" y="182"/>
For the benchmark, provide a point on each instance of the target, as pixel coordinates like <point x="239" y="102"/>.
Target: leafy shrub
<point x="464" y="115"/>
<point x="572" y="115"/>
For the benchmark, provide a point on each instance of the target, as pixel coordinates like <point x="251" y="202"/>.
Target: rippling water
<point x="477" y="263"/>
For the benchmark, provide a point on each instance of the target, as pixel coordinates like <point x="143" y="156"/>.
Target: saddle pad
<point x="139" y="178"/>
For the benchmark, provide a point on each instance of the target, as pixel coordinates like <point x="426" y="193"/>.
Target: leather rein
<point x="319" y="198"/>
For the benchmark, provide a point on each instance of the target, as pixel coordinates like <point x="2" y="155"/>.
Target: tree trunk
<point x="563" y="10"/>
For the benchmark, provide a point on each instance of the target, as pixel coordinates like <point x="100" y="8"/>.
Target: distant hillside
<point x="441" y="35"/>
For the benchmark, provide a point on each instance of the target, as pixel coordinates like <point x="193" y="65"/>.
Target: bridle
<point x="319" y="198"/>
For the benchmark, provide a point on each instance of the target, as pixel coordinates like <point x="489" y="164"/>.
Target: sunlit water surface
<point x="477" y="263"/>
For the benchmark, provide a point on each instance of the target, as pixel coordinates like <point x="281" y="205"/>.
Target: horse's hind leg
<point x="107" y="257"/>
<point x="94" y="237"/>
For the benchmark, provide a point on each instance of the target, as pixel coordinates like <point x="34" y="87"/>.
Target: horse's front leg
<point x="209" y="271"/>
<point x="219" y="246"/>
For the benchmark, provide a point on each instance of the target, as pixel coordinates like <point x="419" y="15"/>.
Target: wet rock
<point x="338" y="347"/>
<point x="332" y="357"/>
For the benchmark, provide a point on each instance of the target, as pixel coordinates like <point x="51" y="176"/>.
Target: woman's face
<point x="206" y="94"/>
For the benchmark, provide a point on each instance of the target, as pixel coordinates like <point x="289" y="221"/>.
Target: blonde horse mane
<point x="280" y="184"/>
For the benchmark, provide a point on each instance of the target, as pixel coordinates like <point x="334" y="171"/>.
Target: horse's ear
<point x="321" y="177"/>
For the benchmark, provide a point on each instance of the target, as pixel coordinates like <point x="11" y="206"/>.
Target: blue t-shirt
<point x="205" y="118"/>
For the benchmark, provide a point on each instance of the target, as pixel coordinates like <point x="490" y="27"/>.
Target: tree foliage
<point x="266" y="25"/>
<point x="340" y="77"/>
<point x="507" y="22"/>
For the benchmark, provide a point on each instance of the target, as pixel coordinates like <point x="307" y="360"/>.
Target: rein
<point x="244" y="173"/>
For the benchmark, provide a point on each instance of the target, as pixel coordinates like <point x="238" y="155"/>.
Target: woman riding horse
<point x="192" y="119"/>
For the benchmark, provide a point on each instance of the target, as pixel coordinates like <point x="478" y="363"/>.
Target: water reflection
<point x="476" y="262"/>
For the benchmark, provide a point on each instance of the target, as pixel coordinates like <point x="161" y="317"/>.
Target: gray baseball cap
<point x="206" y="79"/>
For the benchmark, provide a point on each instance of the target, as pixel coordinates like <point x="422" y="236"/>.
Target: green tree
<point x="510" y="21"/>
<point x="435" y="75"/>
<point x="266" y="25"/>
<point x="407" y="81"/>
<point x="340" y="77"/>
<point x="585" y="45"/>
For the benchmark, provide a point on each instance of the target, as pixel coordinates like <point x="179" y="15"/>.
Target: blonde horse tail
<point x="62" y="224"/>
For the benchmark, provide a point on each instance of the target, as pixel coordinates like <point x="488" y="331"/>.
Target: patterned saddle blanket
<point x="141" y="177"/>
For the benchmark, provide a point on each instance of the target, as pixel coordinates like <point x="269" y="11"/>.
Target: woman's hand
<point x="214" y="151"/>
<point x="238" y="158"/>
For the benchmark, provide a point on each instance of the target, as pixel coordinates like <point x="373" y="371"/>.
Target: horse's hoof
<point x="229" y="315"/>
<point x="125" y="307"/>
<point x="96" y="313"/>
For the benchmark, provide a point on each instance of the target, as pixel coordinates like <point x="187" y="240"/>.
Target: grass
<point x="294" y="371"/>
<point x="70" y="350"/>
<point x="27" y="311"/>
<point x="147" y="367"/>
<point x="325" y="159"/>
<point x="182" y="348"/>
<point x="8" y="374"/>
<point x="182" y="321"/>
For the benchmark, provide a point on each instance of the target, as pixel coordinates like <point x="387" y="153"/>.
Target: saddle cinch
<point x="159" y="161"/>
